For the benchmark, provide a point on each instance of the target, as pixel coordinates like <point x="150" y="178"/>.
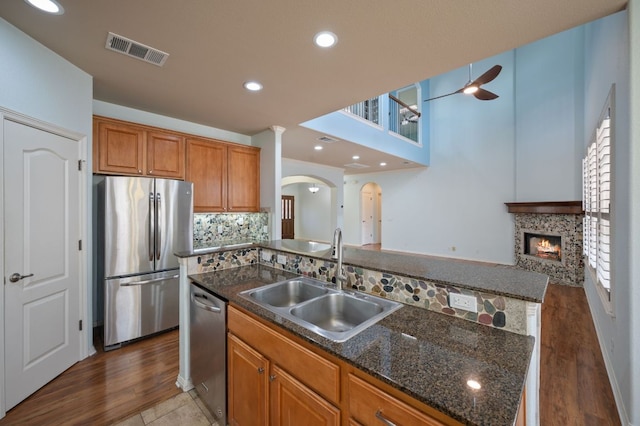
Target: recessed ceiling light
<point x="325" y="39"/>
<point x="254" y="86"/>
<point x="383" y="164"/>
<point x="356" y="157"/>
<point x="318" y="147"/>
<point x="49" y="6"/>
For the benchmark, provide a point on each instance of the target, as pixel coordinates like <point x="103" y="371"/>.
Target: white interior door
<point x="367" y="217"/>
<point x="42" y="229"/>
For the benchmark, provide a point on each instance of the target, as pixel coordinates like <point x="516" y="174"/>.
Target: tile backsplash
<point x="212" y="227"/>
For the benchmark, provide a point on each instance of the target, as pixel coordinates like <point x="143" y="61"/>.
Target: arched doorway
<point x="307" y="205"/>
<point x="371" y="214"/>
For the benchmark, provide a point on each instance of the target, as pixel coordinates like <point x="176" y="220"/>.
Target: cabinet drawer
<point x="319" y="374"/>
<point x="366" y="400"/>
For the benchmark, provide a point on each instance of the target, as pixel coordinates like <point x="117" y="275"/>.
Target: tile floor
<point x="183" y="409"/>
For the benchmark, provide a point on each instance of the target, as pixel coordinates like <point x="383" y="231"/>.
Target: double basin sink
<point x="334" y="314"/>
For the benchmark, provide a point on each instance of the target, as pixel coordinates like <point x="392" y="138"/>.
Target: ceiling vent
<point x="327" y="139"/>
<point x="136" y="50"/>
<point x="356" y="166"/>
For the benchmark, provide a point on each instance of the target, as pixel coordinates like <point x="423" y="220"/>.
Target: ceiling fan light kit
<point x="473" y="86"/>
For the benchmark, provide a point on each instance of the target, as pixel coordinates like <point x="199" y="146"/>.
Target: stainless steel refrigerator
<point x="142" y="222"/>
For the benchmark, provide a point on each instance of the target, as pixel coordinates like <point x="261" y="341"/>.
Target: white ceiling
<point x="215" y="46"/>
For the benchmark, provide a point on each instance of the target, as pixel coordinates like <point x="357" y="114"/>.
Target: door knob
<point x="14" y="278"/>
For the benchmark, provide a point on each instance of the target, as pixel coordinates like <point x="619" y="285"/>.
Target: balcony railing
<point x="367" y="110"/>
<point x="403" y="119"/>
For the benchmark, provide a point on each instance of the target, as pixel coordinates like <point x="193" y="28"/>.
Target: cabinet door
<point x="120" y="148"/>
<point x="244" y="179"/>
<point x="207" y="169"/>
<point x="247" y="383"/>
<point x="165" y="155"/>
<point x="293" y="404"/>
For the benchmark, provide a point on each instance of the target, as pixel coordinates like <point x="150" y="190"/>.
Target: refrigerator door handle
<point x="158" y="226"/>
<point x="154" y="280"/>
<point x="151" y="225"/>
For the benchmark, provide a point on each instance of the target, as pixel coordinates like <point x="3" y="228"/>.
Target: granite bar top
<point x="501" y="280"/>
<point x="427" y="355"/>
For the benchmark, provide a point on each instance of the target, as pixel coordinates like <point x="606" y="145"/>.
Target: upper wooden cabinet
<point x="165" y="155"/>
<point x="124" y="148"/>
<point x="226" y="177"/>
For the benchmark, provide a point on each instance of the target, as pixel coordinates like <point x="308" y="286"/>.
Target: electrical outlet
<point x="462" y="301"/>
<point x="266" y="256"/>
<point x="220" y="229"/>
<point x="265" y="229"/>
<point x="240" y="221"/>
<point x="282" y="259"/>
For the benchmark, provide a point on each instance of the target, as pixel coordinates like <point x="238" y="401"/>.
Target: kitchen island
<point x="434" y="358"/>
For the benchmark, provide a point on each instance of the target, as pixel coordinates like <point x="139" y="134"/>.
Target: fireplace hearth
<point x="548" y="239"/>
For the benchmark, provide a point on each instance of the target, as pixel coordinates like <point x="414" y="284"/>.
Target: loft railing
<point x="367" y="110"/>
<point x="403" y="119"/>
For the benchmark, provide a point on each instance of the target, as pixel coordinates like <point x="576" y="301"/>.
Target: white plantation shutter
<point x="596" y="193"/>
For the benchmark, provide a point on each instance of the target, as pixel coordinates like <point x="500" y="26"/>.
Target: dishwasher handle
<point x="201" y="302"/>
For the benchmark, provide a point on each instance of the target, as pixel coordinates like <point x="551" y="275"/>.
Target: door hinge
<point x="79" y="165"/>
<point x="80" y="245"/>
<point x="80" y="325"/>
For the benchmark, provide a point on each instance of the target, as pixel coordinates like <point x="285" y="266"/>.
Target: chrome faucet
<point x="336" y="253"/>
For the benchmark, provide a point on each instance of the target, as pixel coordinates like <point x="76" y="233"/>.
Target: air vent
<point x="136" y="50"/>
<point x="356" y="166"/>
<point x="327" y="139"/>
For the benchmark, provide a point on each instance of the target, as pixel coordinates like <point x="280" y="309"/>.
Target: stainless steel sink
<point x="334" y="314"/>
<point x="287" y="293"/>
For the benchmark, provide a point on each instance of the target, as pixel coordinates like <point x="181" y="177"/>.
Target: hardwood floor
<point x="112" y="386"/>
<point x="574" y="386"/>
<point x="106" y="387"/>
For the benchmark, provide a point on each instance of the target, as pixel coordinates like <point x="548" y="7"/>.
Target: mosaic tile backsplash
<point x="222" y="260"/>
<point x="495" y="311"/>
<point x="233" y="226"/>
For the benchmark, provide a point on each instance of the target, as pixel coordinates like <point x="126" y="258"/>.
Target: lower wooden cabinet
<point x="247" y="384"/>
<point x="293" y="403"/>
<point x="274" y="378"/>
<point x="371" y="405"/>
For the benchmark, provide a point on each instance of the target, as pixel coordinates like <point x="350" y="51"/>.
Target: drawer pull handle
<point x="383" y="419"/>
<point x="260" y="370"/>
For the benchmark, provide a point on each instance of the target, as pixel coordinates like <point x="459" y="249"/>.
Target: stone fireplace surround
<point x="563" y="218"/>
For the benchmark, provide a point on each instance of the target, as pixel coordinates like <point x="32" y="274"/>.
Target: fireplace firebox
<point x="543" y="246"/>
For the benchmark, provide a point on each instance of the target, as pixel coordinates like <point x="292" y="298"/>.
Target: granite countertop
<point x="427" y="355"/>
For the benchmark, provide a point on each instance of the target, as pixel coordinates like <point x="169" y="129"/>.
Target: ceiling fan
<point x="473" y="87"/>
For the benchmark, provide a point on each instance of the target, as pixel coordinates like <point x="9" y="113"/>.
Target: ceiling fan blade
<point x="485" y="95"/>
<point x="488" y="76"/>
<point x="443" y="96"/>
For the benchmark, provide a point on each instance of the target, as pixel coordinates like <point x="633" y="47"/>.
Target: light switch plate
<point x="220" y="229"/>
<point x="266" y="256"/>
<point x="282" y="259"/>
<point x="463" y="301"/>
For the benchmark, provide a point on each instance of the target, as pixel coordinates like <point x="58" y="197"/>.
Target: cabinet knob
<point x="150" y="172"/>
<point x="272" y="377"/>
<point x="260" y="370"/>
<point x="139" y="171"/>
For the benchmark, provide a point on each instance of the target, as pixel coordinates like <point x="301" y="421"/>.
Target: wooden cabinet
<point x="298" y="378"/>
<point x="308" y="385"/>
<point x="207" y="169"/>
<point x="165" y="155"/>
<point x="293" y="403"/>
<point x="370" y="405"/>
<point x="247" y="383"/>
<point x="118" y="148"/>
<point x="226" y="178"/>
<point x="123" y="148"/>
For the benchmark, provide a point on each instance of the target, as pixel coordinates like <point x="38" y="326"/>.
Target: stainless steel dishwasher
<point x="209" y="351"/>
